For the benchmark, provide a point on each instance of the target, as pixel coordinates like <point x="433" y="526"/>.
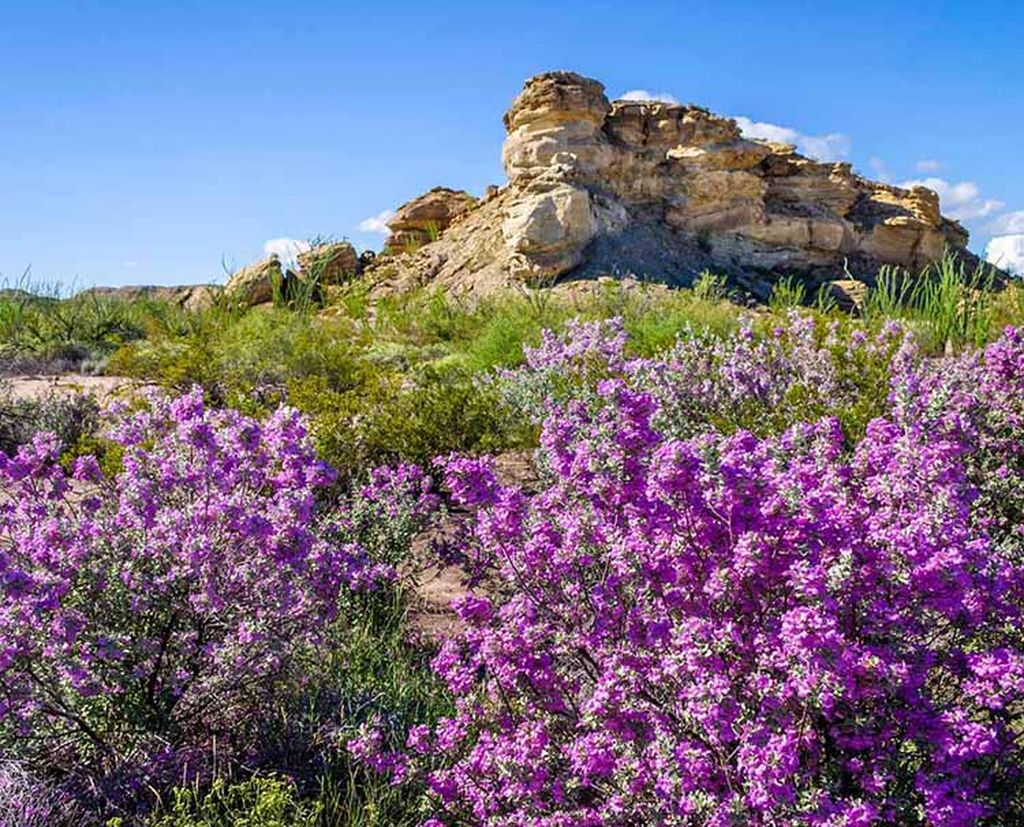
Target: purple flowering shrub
<point x="149" y="618"/>
<point x="394" y="505"/>
<point x="727" y="629"/>
<point x="979" y="399"/>
<point x="28" y="802"/>
<point x="799" y="370"/>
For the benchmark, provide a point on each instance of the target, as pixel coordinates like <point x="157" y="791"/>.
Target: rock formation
<point x="332" y="263"/>
<point x="660" y="191"/>
<point x="325" y="264"/>
<point x="187" y="296"/>
<point x="256" y="283"/>
<point x="423" y="219"/>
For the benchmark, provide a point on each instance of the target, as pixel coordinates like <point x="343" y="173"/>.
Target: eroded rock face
<point x="661" y="191"/>
<point x="255" y="284"/>
<point x="333" y="263"/>
<point x="423" y="219"/>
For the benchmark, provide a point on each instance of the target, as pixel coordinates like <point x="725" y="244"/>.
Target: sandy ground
<point x="436" y="588"/>
<point x="36" y="386"/>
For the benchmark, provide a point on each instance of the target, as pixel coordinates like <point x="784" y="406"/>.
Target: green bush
<point x="262" y="801"/>
<point x="390" y="418"/>
<point x="247" y="359"/>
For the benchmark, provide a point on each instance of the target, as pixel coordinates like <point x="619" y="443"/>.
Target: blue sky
<point x="160" y="142"/>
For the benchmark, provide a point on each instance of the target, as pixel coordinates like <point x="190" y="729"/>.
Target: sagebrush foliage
<point x="772" y="575"/>
<point x="797" y="628"/>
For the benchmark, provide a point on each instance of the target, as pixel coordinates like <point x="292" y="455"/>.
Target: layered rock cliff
<point x="658" y="191"/>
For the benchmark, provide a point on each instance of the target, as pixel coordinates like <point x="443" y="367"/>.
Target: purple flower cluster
<point x="800" y="370"/>
<point x="152" y="613"/>
<point x="731" y="629"/>
<point x="27" y="802"/>
<point x="977" y="399"/>
<point x="393" y="507"/>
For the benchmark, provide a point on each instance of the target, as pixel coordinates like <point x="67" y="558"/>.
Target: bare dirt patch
<point x="40" y="386"/>
<point x="437" y="586"/>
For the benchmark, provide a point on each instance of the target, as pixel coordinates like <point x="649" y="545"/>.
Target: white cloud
<point x="831" y="147"/>
<point x="1007" y="252"/>
<point x="1011" y="223"/>
<point x="879" y="168"/>
<point x="377" y="223"/>
<point x="286" y="249"/>
<point x="644" y="95"/>
<point x="927" y="165"/>
<point x="961" y="201"/>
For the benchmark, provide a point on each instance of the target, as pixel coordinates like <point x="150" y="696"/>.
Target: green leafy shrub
<point x="261" y="801"/>
<point x="247" y="360"/>
<point x="389" y="419"/>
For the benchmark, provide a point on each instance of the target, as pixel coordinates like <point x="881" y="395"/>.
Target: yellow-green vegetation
<point x="262" y="801"/>
<point x="399" y="378"/>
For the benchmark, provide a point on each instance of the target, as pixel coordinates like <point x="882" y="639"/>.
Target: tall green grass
<point x="47" y="326"/>
<point x="948" y="306"/>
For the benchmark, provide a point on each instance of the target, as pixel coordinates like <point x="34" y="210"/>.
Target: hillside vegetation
<point x="767" y="566"/>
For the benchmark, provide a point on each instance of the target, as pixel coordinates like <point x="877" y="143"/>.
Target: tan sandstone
<point x="255" y="283"/>
<point x="333" y="263"/>
<point x="660" y="191"/>
<point x="423" y="219"/>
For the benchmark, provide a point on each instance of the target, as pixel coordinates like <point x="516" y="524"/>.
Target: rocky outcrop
<point x="333" y="263"/>
<point x="256" y="283"/>
<point x="324" y="265"/>
<point x="423" y="219"/>
<point x="661" y="191"/>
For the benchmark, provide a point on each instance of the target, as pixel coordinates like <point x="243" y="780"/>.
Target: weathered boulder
<point x="423" y="219"/>
<point x="333" y="263"/>
<point x="548" y="231"/>
<point x="662" y="191"/>
<point x="256" y="283"/>
<point x="199" y="297"/>
<point x="553" y="122"/>
<point x="849" y="294"/>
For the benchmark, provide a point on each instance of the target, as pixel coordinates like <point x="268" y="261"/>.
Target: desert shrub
<point x="72" y="418"/>
<point x="44" y="329"/>
<point x="262" y="801"/>
<point x="247" y="360"/>
<point x="794" y="368"/>
<point x="371" y="673"/>
<point x="979" y="397"/>
<point x="1008" y="306"/>
<point x="719" y="629"/>
<point x="265" y="350"/>
<point x="492" y="332"/>
<point x="655" y="329"/>
<point x="152" y="615"/>
<point x="368" y="667"/>
<point x="729" y="629"/>
<point x="389" y="419"/>
<point x="27" y="801"/>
